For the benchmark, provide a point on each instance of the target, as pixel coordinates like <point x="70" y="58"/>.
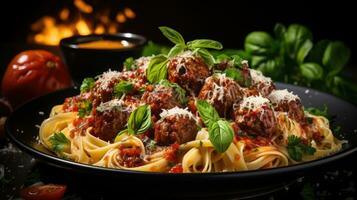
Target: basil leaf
<point x="272" y="67"/>
<point x="222" y="58"/>
<point x="87" y="84"/>
<point x="206" y="56"/>
<point x="317" y="52"/>
<point x="336" y="57"/>
<point x="139" y="120"/>
<point x="205" y="43"/>
<point x="59" y="142"/>
<point x="221" y="135"/>
<point x="172" y="35"/>
<point x="180" y="93"/>
<point x="311" y="71"/>
<point x="207" y="112"/>
<point x="178" y="48"/>
<point x="279" y="30"/>
<point x="157" y="69"/>
<point x="234" y="73"/>
<point x="259" y="43"/>
<point x="295" y="37"/>
<point x="129" y="64"/>
<point x="304" y="51"/>
<point x="123" y="87"/>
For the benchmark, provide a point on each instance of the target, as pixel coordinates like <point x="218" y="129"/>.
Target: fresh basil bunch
<point x="157" y="69"/>
<point x="219" y="130"/>
<point x="290" y="55"/>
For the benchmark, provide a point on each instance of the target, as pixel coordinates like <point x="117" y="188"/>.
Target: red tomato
<point x="43" y="192"/>
<point x="34" y="73"/>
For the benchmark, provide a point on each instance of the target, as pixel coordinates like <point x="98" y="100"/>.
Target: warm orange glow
<point x="129" y="13"/>
<point x="120" y="17"/>
<point x="64" y="14"/>
<point x="50" y="30"/>
<point x="83" y="6"/>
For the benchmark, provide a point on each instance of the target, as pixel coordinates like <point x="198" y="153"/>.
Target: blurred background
<point x="42" y="23"/>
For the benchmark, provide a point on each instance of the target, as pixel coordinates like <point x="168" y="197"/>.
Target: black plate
<point x="22" y="129"/>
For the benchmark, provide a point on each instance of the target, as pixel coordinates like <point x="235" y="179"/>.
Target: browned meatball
<point x="162" y="97"/>
<point x="110" y="118"/>
<point x="255" y="116"/>
<point x="263" y="85"/>
<point x="175" y="128"/>
<point x="285" y="101"/>
<point x="103" y="90"/>
<point x="222" y="92"/>
<point x="188" y="71"/>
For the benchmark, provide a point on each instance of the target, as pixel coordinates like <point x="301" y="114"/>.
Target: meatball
<point x="188" y="71"/>
<point x="222" y="92"/>
<point x="255" y="116"/>
<point x="161" y="97"/>
<point x="263" y="85"/>
<point x="285" y="101"/>
<point x="103" y="90"/>
<point x="176" y="126"/>
<point x="110" y="118"/>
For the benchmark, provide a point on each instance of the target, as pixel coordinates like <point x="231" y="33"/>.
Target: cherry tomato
<point x="34" y="73"/>
<point x="43" y="192"/>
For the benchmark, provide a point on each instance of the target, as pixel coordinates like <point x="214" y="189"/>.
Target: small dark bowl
<point x="88" y="62"/>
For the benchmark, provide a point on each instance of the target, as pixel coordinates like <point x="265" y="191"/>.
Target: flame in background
<point x="82" y="20"/>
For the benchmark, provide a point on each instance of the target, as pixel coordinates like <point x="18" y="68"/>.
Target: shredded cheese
<point x="258" y="77"/>
<point x="143" y="62"/>
<point x="176" y="111"/>
<point x="254" y="102"/>
<point x="109" y="105"/>
<point x="105" y="79"/>
<point x="278" y="96"/>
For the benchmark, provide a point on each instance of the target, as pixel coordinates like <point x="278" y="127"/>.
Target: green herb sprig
<point x="296" y="148"/>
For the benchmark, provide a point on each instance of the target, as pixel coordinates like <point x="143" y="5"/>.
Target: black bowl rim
<point x="71" y="165"/>
<point x="70" y="42"/>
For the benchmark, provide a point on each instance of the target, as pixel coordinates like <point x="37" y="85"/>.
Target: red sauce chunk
<point x="171" y="154"/>
<point x="176" y="169"/>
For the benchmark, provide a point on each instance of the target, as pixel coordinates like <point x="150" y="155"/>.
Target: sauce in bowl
<point x="105" y="44"/>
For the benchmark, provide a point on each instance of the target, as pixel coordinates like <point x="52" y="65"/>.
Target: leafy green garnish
<point x="59" y="142"/>
<point x="318" y="112"/>
<point x="204" y="43"/>
<point x="123" y="87"/>
<point x="221" y="135"/>
<point x="154" y="49"/>
<point x="292" y="56"/>
<point x="198" y="46"/>
<point x="171" y="34"/>
<point x="207" y="112"/>
<point x="296" y="148"/>
<point x="234" y="73"/>
<point x="87" y="84"/>
<point x="139" y="120"/>
<point x="157" y="69"/>
<point x="181" y="93"/>
<point x="85" y="108"/>
<point x="129" y="64"/>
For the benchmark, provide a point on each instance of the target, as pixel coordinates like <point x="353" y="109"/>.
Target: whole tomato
<point x="43" y="192"/>
<point x="34" y="73"/>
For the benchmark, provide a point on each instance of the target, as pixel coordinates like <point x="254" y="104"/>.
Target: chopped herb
<point x="123" y="87"/>
<point x="296" y="148"/>
<point x="317" y="111"/>
<point x="87" y="84"/>
<point x="129" y="64"/>
<point x="151" y="145"/>
<point x="309" y="120"/>
<point x="85" y="108"/>
<point x="59" y="142"/>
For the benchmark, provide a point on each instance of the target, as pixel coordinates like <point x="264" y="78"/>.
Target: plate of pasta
<point x="185" y="113"/>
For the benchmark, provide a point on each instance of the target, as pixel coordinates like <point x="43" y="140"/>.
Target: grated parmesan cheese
<point x="115" y="103"/>
<point x="105" y="79"/>
<point x="176" y="111"/>
<point x="258" y="77"/>
<point x="278" y="96"/>
<point x="253" y="102"/>
<point x="143" y="62"/>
